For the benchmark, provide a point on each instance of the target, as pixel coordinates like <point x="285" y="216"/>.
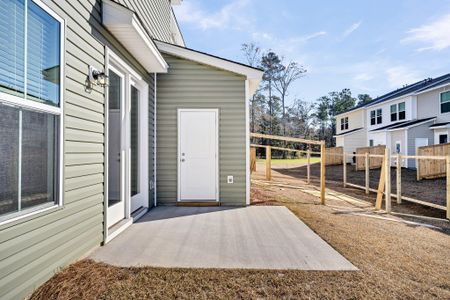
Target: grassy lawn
<point x="296" y="161"/>
<point x="395" y="260"/>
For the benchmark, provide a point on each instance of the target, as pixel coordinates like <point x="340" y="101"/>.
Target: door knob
<point x="182" y="160"/>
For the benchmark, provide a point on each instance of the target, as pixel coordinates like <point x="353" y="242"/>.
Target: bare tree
<point x="288" y="75"/>
<point x="252" y="54"/>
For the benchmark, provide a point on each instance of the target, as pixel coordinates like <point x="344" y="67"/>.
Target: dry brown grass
<point x="396" y="261"/>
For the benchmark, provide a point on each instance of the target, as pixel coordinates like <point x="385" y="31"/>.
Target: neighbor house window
<point x="376" y="116"/>
<point x="30" y="107"/>
<point x="445" y="102"/>
<point x="401" y="111"/>
<point x="379" y="116"/>
<point x="393" y="112"/>
<point x="373" y="119"/>
<point x="344" y="123"/>
<point x="443" y="139"/>
<point x="398" y="112"/>
<point x="371" y="143"/>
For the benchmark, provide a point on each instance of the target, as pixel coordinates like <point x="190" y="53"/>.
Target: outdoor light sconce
<point x="97" y="77"/>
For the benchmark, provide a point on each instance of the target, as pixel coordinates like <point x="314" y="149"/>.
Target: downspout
<point x="154" y="144"/>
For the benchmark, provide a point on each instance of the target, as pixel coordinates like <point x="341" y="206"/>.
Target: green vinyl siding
<point x="33" y="248"/>
<point x="192" y="85"/>
<point x="155" y="16"/>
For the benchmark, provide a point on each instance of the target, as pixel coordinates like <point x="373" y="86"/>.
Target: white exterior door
<point x="198" y="154"/>
<point x="127" y="143"/>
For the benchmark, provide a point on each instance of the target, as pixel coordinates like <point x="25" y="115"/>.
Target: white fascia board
<point x="348" y="133"/>
<point x="434" y="88"/>
<point x="390" y="100"/>
<point x="411" y="126"/>
<point x="441" y="127"/>
<point x="126" y="27"/>
<point x="350" y="111"/>
<point x="254" y="76"/>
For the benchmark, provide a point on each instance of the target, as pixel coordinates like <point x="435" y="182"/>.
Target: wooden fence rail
<point x="370" y="157"/>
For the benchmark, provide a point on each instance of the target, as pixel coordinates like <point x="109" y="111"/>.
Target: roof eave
<point x="126" y="27"/>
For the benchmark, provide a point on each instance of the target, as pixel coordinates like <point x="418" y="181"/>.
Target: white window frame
<point x="440" y="103"/>
<point x="23" y="102"/>
<point x="398" y="110"/>
<point x="394" y="113"/>
<point x="344" y="123"/>
<point x="439" y="137"/>
<point x="381" y="115"/>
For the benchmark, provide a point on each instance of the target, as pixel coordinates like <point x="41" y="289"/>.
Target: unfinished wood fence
<point x="385" y="182"/>
<point x="334" y="156"/>
<point x="432" y="168"/>
<point x="376" y="159"/>
<point x="292" y="140"/>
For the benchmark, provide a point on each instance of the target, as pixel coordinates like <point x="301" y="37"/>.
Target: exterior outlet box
<point x="230" y="179"/>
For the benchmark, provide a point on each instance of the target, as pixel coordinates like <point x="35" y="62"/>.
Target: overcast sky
<point x="368" y="46"/>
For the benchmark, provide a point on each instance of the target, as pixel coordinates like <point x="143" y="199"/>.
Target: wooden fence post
<point x="447" y="166"/>
<point x="366" y="162"/>
<point x="387" y="184"/>
<point x="381" y="184"/>
<point x="417" y="167"/>
<point x="399" y="179"/>
<point x="344" y="169"/>
<point x="322" y="173"/>
<point x="268" y="163"/>
<point x="308" y="166"/>
<point x="252" y="159"/>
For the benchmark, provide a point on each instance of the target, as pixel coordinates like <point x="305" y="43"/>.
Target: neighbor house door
<point x="198" y="155"/>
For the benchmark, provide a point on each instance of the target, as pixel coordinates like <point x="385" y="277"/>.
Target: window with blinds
<point x="29" y="52"/>
<point x="30" y="110"/>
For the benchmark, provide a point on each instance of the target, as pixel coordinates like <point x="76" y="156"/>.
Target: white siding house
<point x="413" y="116"/>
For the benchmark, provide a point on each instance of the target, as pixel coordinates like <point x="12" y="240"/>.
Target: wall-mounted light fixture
<point x="97" y="77"/>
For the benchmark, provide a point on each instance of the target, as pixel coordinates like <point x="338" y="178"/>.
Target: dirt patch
<point x="396" y="261"/>
<point x="432" y="190"/>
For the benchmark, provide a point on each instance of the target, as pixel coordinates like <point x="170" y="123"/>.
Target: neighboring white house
<point x="413" y="116"/>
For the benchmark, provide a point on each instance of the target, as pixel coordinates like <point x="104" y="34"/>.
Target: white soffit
<point x="126" y="27"/>
<point x="254" y="76"/>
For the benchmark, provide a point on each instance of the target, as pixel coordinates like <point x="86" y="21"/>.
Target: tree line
<point x="270" y="113"/>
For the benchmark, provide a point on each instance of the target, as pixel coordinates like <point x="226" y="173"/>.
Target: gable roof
<point x="254" y="75"/>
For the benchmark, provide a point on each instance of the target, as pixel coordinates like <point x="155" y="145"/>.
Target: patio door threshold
<point x="120" y="227"/>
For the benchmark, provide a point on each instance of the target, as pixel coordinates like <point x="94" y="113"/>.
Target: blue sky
<point x="368" y="46"/>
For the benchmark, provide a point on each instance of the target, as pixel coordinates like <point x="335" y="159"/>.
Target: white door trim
<point x="131" y="77"/>
<point x="179" y="111"/>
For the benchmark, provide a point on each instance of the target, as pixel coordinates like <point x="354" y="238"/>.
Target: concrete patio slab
<point x="255" y="237"/>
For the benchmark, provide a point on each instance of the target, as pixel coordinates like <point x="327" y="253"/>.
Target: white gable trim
<point x="126" y="27"/>
<point x="254" y="76"/>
